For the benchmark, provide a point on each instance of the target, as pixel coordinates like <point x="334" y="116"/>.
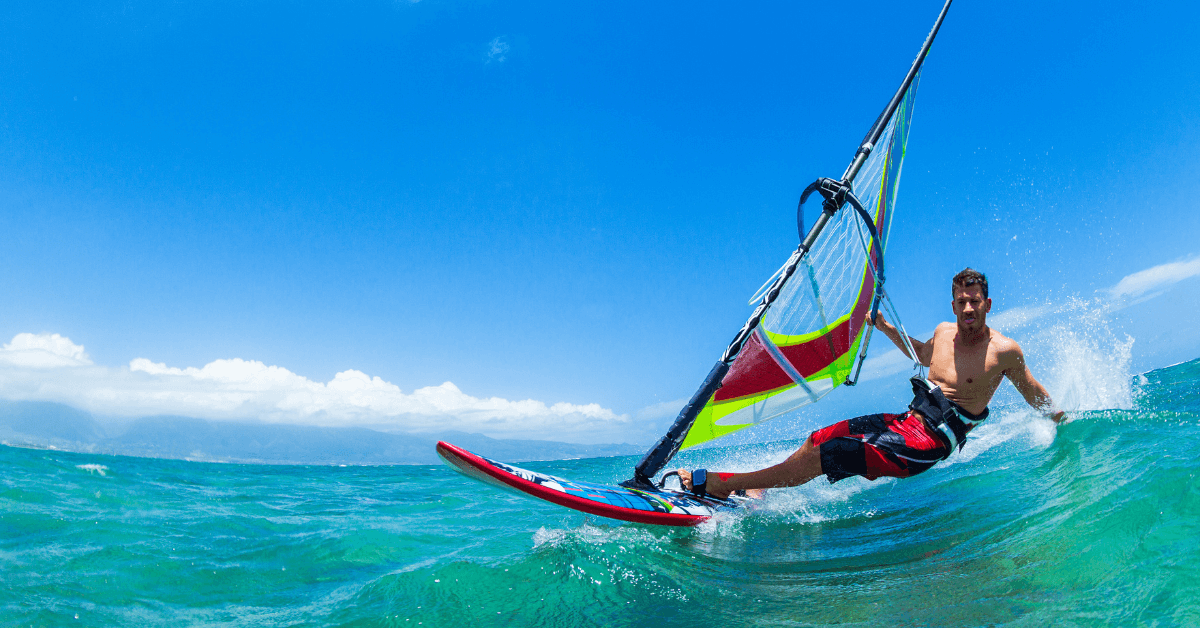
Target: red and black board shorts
<point x="876" y="445"/>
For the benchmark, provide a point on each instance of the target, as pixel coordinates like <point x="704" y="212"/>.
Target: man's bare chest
<point x="965" y="372"/>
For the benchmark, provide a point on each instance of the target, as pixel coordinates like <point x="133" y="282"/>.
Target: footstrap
<point x="700" y="482"/>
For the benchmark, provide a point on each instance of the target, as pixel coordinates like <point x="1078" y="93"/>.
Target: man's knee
<point x="804" y="450"/>
<point x="808" y="457"/>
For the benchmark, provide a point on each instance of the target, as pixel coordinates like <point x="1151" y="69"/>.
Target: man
<point x="966" y="361"/>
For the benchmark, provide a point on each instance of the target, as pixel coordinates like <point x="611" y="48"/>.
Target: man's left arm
<point x="1034" y="393"/>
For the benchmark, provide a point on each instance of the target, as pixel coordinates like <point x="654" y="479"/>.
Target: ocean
<point x="1095" y="523"/>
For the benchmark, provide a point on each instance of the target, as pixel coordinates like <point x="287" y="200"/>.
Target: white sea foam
<point x="1085" y="365"/>
<point x="1011" y="426"/>
<point x="814" y="502"/>
<point x="817" y="501"/>
<point x="97" y="469"/>
<point x="420" y="564"/>
<point x="724" y="525"/>
<point x="604" y="555"/>
<point x="590" y="534"/>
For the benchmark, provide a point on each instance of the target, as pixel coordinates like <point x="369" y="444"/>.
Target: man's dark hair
<point x="970" y="277"/>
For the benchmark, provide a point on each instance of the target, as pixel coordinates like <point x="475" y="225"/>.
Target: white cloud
<point x="52" y="368"/>
<point x="661" y="410"/>
<point x="1018" y="317"/>
<point x="42" y="351"/>
<point x="497" y="50"/>
<point x="890" y="363"/>
<point x="1155" y="278"/>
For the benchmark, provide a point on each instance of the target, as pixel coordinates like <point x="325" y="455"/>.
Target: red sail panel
<point x="754" y="372"/>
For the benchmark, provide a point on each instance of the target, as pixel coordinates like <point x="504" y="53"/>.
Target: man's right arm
<point x="1035" y="394"/>
<point x="924" y="349"/>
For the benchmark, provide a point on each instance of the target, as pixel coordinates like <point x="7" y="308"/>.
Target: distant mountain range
<point x="54" y="425"/>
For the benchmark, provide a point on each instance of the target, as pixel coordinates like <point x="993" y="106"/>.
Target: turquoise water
<point x="1097" y="525"/>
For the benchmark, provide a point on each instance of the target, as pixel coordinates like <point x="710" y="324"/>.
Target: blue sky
<point x="566" y="204"/>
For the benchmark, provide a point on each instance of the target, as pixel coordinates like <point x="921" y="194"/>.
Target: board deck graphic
<point x="660" y="507"/>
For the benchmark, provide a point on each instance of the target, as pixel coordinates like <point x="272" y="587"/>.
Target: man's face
<point x="970" y="307"/>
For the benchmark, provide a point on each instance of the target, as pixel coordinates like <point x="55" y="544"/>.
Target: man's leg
<point x="800" y="467"/>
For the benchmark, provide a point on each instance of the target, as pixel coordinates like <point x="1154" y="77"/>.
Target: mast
<point x="881" y="122"/>
<point x="835" y="194"/>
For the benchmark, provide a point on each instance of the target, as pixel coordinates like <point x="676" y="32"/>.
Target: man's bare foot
<point x="685" y="478"/>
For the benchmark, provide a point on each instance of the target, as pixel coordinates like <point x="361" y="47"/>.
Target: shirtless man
<point x="966" y="361"/>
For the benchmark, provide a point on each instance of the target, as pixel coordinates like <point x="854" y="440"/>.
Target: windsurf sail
<point x="809" y="332"/>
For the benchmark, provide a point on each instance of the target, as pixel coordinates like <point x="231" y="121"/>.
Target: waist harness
<point x="943" y="416"/>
